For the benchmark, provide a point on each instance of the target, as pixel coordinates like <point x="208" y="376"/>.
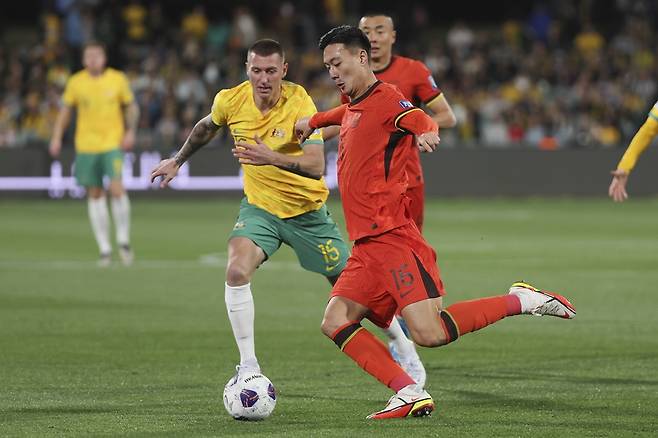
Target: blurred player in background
<point x="640" y="142"/>
<point x="284" y="188"/>
<point x="415" y="82"/>
<point x="106" y="119"/>
<point x="392" y="266"/>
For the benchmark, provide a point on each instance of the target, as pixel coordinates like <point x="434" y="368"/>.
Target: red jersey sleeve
<point x="327" y="118"/>
<point x="426" y="88"/>
<point x="416" y="121"/>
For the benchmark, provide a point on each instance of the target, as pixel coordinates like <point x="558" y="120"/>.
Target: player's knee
<point x="237" y="275"/>
<point x="429" y="337"/>
<point x="330" y="324"/>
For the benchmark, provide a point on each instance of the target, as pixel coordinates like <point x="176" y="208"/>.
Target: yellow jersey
<point x="642" y="138"/>
<point x="98" y="101"/>
<point x="280" y="192"/>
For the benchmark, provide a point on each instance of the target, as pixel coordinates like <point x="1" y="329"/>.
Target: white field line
<point x="214" y="260"/>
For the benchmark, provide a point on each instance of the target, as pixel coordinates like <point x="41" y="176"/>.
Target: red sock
<point x="371" y="355"/>
<point x="469" y="316"/>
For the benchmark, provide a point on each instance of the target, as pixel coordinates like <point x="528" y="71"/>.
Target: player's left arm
<point x="130" y="112"/>
<point x="416" y="122"/>
<point x="309" y="164"/>
<point x="428" y="92"/>
<point x="441" y="112"/>
<point x="131" y="117"/>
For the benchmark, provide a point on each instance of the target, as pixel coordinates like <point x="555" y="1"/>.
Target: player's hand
<point x="617" y="189"/>
<point x="258" y="154"/>
<point x="55" y="147"/>
<point x="428" y="141"/>
<point x="302" y="129"/>
<point x="167" y="169"/>
<point x="128" y="140"/>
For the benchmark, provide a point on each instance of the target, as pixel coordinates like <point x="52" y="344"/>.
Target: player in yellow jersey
<point x="285" y="192"/>
<point x="103" y="100"/>
<point x="640" y="142"/>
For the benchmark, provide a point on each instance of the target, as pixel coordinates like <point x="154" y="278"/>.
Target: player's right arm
<point x="647" y="132"/>
<point x="61" y="123"/>
<point x="304" y="127"/>
<point x="201" y="134"/>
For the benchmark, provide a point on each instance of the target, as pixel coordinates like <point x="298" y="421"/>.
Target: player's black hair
<point x="351" y="36"/>
<point x="267" y="47"/>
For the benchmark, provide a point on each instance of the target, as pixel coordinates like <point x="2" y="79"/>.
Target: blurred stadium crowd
<point x="555" y="78"/>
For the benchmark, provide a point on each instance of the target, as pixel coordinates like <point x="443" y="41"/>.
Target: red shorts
<point x="388" y="271"/>
<point x="416" y="206"/>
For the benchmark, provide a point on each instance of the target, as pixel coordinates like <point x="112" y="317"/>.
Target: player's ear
<point x="285" y="70"/>
<point x="395" y="34"/>
<point x="363" y="57"/>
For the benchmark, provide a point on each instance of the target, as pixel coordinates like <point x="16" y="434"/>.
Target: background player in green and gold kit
<point x="102" y="98"/>
<point x="641" y="140"/>
<point x="285" y="192"/>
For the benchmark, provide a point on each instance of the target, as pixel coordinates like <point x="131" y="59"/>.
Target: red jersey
<point x="415" y="82"/>
<point x="375" y="147"/>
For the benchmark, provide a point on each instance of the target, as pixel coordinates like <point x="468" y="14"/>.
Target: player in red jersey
<point x="391" y="265"/>
<point x="415" y="82"/>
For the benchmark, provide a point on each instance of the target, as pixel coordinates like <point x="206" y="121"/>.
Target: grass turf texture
<point x="146" y="350"/>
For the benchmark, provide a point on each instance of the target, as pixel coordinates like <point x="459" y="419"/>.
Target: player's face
<point x="379" y="30"/>
<point x="346" y="67"/>
<point x="94" y="59"/>
<point x="266" y="73"/>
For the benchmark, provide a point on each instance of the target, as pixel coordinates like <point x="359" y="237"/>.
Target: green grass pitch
<point x="146" y="350"/>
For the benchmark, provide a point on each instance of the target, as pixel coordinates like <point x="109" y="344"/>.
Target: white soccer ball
<point x="250" y="396"/>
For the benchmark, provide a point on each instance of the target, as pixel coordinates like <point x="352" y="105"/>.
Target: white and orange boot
<point x="539" y="302"/>
<point x="410" y="401"/>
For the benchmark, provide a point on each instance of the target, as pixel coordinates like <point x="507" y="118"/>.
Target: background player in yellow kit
<point x="106" y="120"/>
<point x="640" y="142"/>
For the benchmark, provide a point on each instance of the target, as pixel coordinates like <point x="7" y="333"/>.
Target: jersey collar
<point x="366" y="94"/>
<point x="387" y="66"/>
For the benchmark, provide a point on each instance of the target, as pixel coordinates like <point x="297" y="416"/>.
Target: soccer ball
<point x="249" y="397"/>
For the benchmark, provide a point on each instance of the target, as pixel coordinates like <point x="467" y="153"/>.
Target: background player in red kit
<point x="391" y="265"/>
<point x="415" y="82"/>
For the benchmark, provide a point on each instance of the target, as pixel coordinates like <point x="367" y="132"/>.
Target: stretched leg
<point x="100" y="222"/>
<point x="341" y="324"/>
<point x="431" y="325"/>
<point x="121" y="215"/>
<point x="244" y="256"/>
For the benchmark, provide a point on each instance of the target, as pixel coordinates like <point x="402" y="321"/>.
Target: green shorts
<point x="91" y="168"/>
<point x="313" y="236"/>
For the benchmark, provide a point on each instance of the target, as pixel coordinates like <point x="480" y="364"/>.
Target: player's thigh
<point x="88" y="170"/>
<point x="360" y="282"/>
<point x="317" y="242"/>
<point x="259" y="226"/>
<point x="422" y="319"/>
<point x="112" y="164"/>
